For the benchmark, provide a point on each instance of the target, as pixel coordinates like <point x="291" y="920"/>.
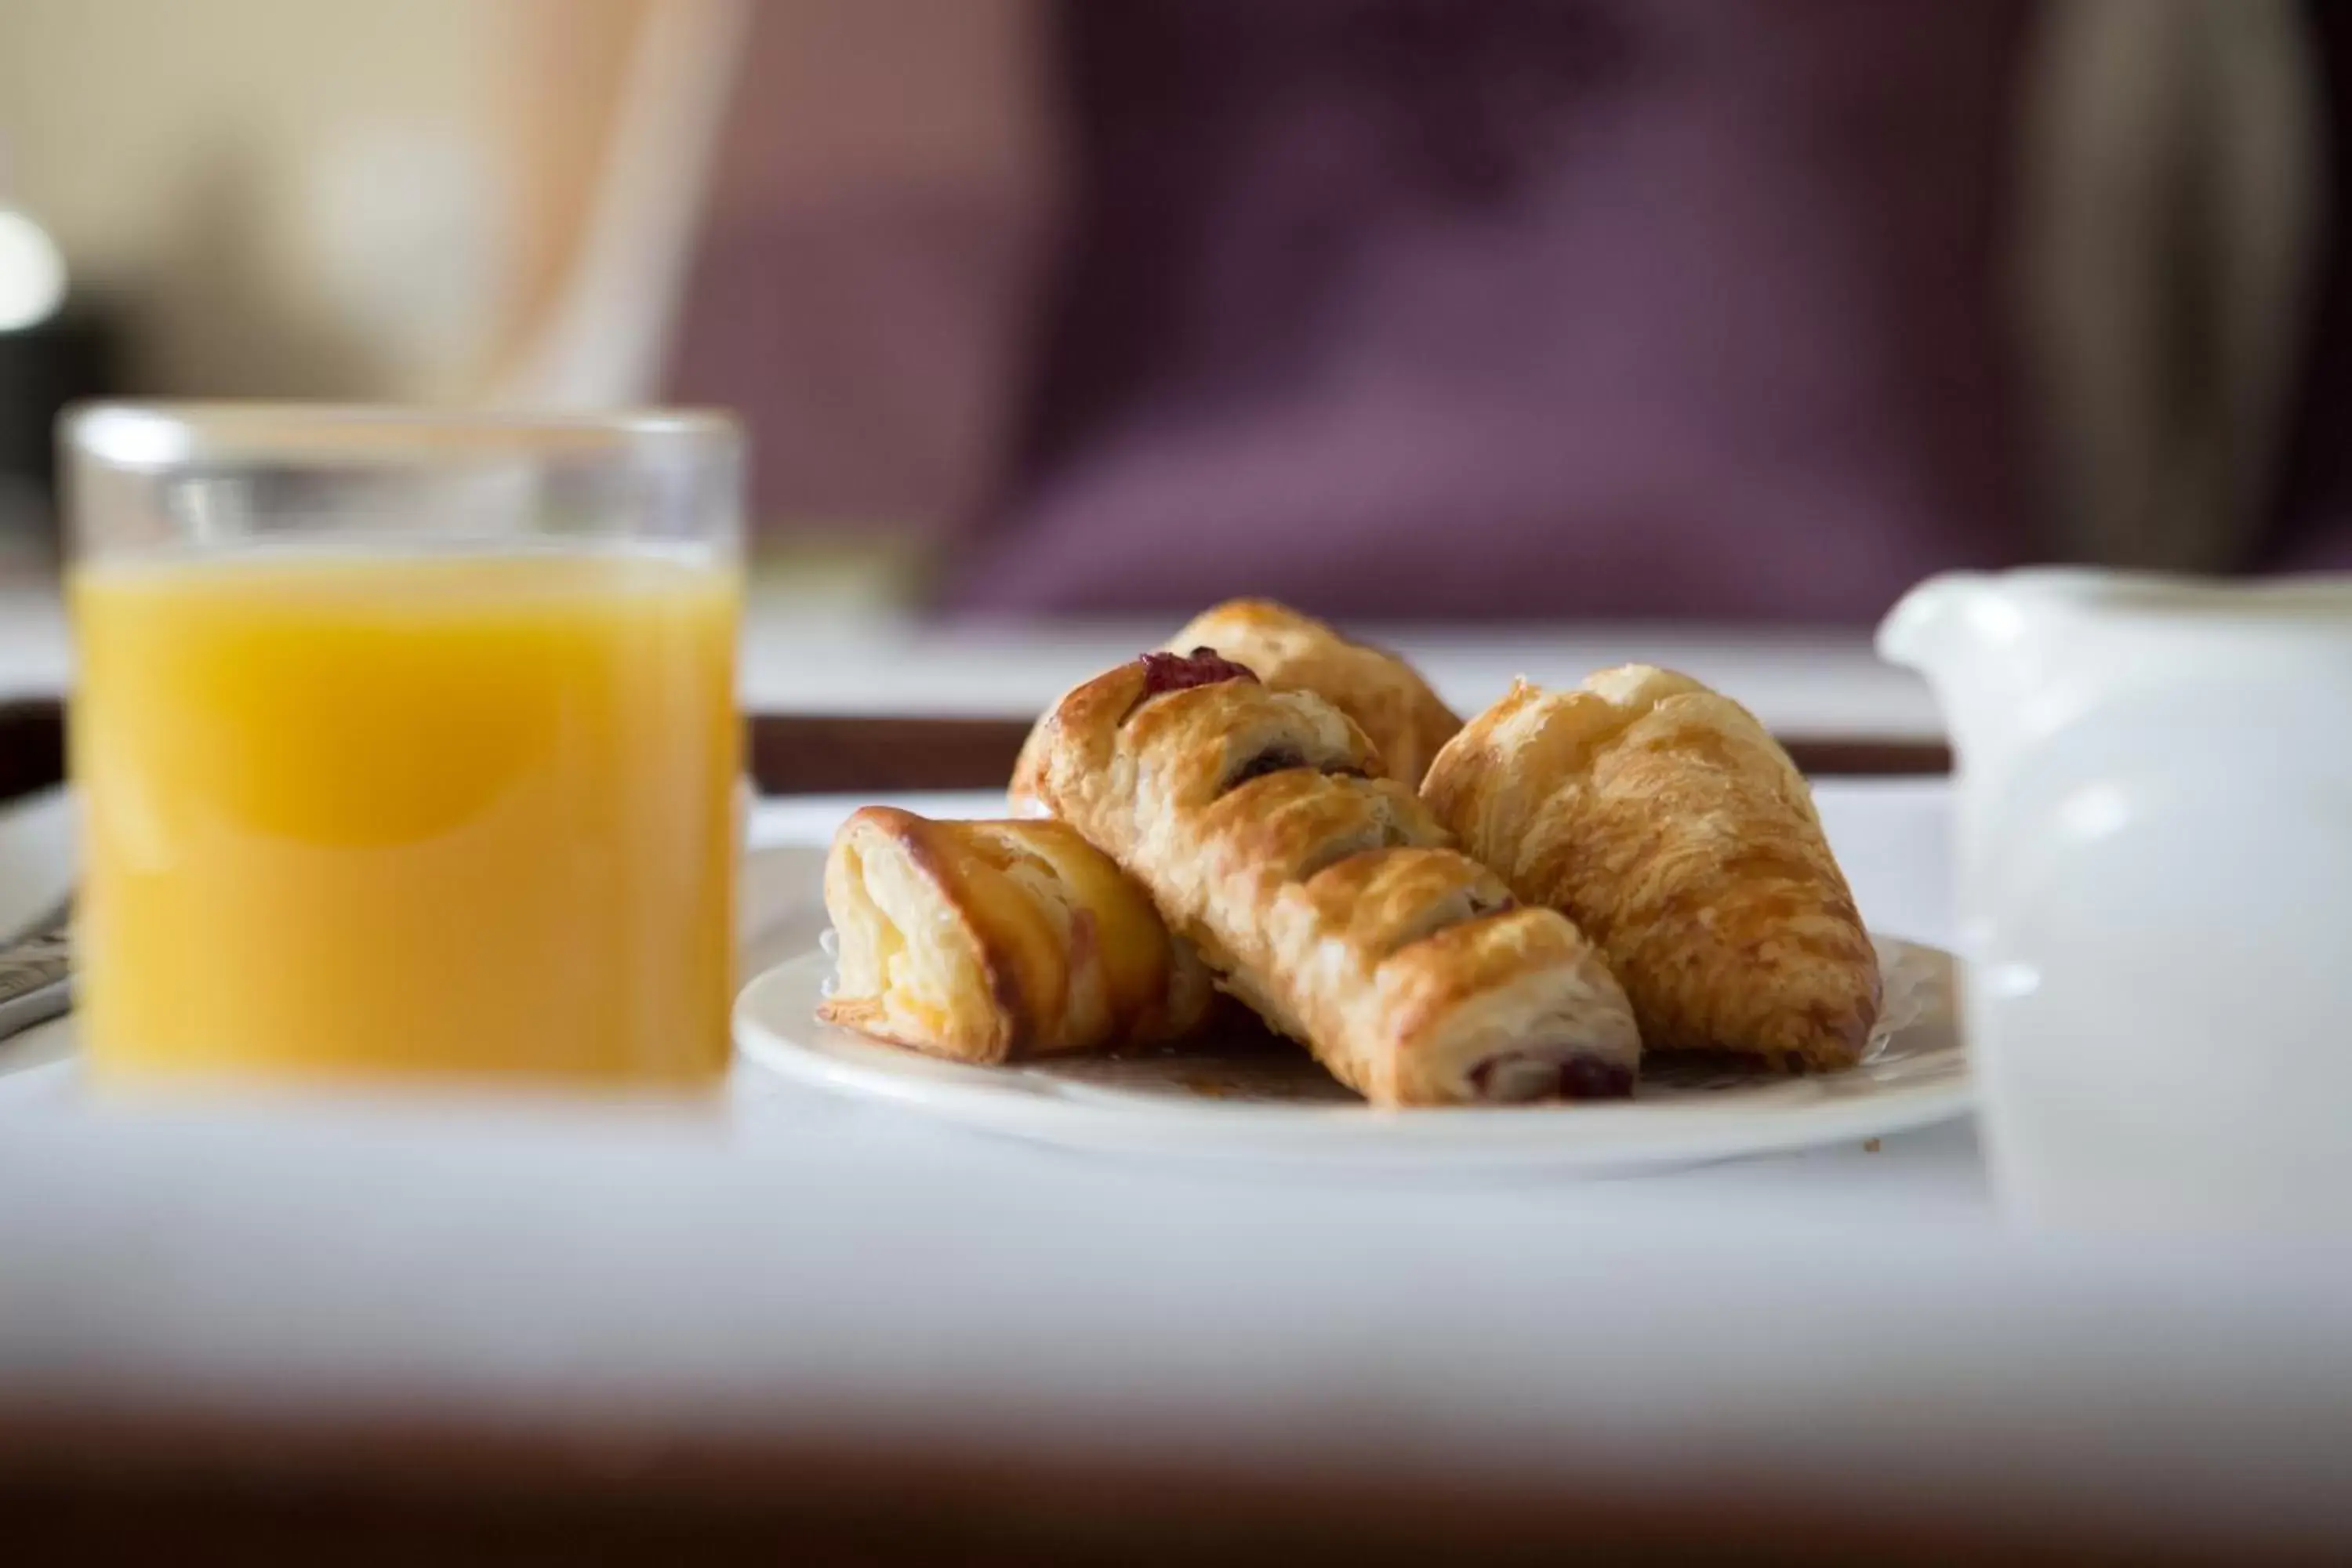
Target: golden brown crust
<point x="989" y="941"/>
<point x="1385" y="695"/>
<point x="1673" y="829"/>
<point x="1330" y="901"/>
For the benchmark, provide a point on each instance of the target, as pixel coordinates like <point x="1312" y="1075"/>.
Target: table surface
<point x="1840" y="1329"/>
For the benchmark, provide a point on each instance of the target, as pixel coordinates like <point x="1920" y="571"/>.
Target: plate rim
<point x="1680" y="1134"/>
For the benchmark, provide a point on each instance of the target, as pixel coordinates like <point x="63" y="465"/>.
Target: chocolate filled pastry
<point x="986" y="942"/>
<point x="1386" y="697"/>
<point x="1330" y="901"/>
<point x="1664" y="820"/>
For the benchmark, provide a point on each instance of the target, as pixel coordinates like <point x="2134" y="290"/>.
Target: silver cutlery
<point x="36" y="971"/>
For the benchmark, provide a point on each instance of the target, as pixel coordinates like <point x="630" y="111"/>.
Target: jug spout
<point x="1937" y="625"/>
<point x="1967" y="633"/>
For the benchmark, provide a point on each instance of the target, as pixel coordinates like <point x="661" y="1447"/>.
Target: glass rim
<point x="157" y="434"/>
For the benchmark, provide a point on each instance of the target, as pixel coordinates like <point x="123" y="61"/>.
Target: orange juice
<point x="427" y="813"/>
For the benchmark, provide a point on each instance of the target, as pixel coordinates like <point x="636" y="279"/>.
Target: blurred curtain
<point x="878" y="223"/>
<point x="618" y="130"/>
<point x="2314" y="503"/>
<point x="2171" y="161"/>
<point x="560" y="122"/>
<point x="887" y="223"/>
<point x="1523" y="308"/>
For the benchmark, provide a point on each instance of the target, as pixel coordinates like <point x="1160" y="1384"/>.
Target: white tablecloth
<point x="1815" y="1323"/>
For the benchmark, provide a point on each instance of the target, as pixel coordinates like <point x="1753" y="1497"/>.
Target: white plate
<point x="1247" y="1101"/>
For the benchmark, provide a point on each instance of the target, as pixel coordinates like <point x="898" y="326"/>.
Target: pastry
<point x="1330" y="901"/>
<point x="985" y="942"/>
<point x="1288" y="651"/>
<point x="1291" y="652"/>
<point x="1664" y="820"/>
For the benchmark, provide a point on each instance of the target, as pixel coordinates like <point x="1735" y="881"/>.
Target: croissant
<point x="989" y="941"/>
<point x="1288" y="651"/>
<point x="1330" y="901"/>
<point x="1664" y="820"/>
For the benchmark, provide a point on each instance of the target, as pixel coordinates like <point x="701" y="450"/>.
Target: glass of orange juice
<point x="406" y="744"/>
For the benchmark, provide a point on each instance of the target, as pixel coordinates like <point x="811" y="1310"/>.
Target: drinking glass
<point x="405" y="741"/>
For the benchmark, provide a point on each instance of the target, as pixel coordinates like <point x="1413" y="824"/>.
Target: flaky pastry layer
<point x="1330" y="901"/>
<point x="1672" y="827"/>
<point x="986" y="942"/>
<point x="1386" y="697"/>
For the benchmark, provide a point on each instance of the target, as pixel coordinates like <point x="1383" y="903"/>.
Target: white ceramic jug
<point x="2153" y="826"/>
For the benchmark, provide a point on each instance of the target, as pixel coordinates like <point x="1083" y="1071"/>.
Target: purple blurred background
<point x="1464" y="310"/>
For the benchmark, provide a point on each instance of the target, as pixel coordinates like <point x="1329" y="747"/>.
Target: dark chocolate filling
<point x="1580" y="1078"/>
<point x="1273" y="760"/>
<point x="1590" y="1078"/>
